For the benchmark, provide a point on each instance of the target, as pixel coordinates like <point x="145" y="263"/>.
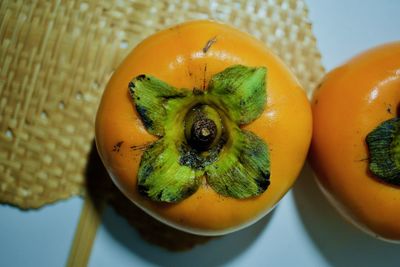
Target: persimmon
<point x="203" y="127"/>
<point x="355" y="148"/>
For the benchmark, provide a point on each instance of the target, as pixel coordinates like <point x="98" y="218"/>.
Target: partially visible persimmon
<point x="203" y="127"/>
<point x="355" y="148"/>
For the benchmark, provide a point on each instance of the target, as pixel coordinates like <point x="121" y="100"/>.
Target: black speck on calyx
<point x="148" y="123"/>
<point x="190" y="157"/>
<point x="197" y="91"/>
<point x="230" y="90"/>
<point x="175" y="96"/>
<point x="142" y="189"/>
<point x="264" y="182"/>
<point x="147" y="170"/>
<point x="141" y="77"/>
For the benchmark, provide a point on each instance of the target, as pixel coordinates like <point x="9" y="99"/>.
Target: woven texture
<point x="56" y="58"/>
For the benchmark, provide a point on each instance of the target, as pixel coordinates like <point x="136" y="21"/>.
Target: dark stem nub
<point x="202" y="134"/>
<point x="203" y="127"/>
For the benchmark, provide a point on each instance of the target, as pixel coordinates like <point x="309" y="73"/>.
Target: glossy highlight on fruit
<point x="355" y="149"/>
<point x="203" y="127"/>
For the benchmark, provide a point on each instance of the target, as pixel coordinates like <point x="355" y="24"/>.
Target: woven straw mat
<point x="56" y="57"/>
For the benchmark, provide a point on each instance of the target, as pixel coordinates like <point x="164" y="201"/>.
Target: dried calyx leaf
<point x="384" y="151"/>
<point x="242" y="92"/>
<point x="244" y="167"/>
<point x="150" y="94"/>
<point x="200" y="136"/>
<point x="161" y="176"/>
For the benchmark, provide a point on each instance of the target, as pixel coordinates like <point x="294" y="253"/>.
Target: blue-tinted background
<point x="304" y="230"/>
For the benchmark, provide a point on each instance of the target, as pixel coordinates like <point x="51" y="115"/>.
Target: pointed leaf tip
<point x="149" y="94"/>
<point x="162" y="178"/>
<point x="243" y="170"/>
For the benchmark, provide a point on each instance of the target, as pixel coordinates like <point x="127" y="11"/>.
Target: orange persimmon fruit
<point x="203" y="127"/>
<point x="355" y="148"/>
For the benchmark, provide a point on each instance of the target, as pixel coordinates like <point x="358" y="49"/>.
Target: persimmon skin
<point x="177" y="56"/>
<point x="352" y="101"/>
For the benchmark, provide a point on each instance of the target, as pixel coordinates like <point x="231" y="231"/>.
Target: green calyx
<point x="200" y="137"/>
<point x="241" y="90"/>
<point x="384" y="151"/>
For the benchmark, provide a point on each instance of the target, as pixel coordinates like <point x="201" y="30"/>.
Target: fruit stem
<point x="202" y="127"/>
<point x="202" y="134"/>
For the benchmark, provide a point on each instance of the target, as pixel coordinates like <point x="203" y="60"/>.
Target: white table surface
<point x="304" y="230"/>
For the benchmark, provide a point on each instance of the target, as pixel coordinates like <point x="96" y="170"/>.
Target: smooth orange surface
<point x="353" y="100"/>
<point x="175" y="56"/>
